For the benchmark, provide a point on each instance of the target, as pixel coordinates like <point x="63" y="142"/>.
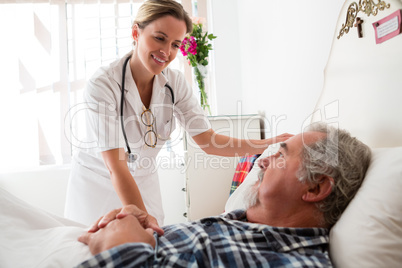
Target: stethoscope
<point x="130" y="156"/>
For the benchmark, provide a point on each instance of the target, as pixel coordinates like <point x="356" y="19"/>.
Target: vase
<point x="200" y="73"/>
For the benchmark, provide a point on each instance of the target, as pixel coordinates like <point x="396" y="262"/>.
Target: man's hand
<point x="117" y="232"/>
<point x="146" y="220"/>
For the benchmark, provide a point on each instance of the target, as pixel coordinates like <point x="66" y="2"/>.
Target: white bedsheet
<point x="31" y="237"/>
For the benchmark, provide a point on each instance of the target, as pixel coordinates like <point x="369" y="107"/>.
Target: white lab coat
<point x="90" y="192"/>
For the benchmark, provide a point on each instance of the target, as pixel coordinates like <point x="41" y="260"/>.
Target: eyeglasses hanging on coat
<point x="152" y="131"/>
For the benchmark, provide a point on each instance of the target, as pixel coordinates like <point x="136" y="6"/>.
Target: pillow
<point x="236" y="199"/>
<point x="369" y="232"/>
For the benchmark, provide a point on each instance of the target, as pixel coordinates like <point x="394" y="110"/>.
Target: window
<point x="52" y="48"/>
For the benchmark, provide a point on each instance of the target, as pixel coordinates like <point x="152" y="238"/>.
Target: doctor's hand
<point x="119" y="231"/>
<point x="279" y="138"/>
<point x="145" y="220"/>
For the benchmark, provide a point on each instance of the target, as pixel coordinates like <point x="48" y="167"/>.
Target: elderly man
<point x="302" y="191"/>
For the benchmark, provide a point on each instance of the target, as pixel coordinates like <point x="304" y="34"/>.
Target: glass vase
<point x="200" y="73"/>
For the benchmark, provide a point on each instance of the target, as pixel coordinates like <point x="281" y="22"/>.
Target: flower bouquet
<point x="196" y="48"/>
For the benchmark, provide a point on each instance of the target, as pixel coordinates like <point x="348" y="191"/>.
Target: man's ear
<point x="320" y="191"/>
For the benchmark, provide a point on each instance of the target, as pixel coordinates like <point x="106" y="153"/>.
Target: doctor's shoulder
<point x="176" y="80"/>
<point x="103" y="83"/>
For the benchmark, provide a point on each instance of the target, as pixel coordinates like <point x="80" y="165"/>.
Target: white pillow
<point x="369" y="233"/>
<point x="236" y="199"/>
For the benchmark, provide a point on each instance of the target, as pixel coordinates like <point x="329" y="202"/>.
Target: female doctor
<point x="131" y="109"/>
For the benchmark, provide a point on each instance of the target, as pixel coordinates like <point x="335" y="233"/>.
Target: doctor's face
<point x="158" y="43"/>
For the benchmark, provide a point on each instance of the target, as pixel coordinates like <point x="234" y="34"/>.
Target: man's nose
<point x="264" y="163"/>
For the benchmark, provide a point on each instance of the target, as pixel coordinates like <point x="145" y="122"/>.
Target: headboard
<point x="363" y="80"/>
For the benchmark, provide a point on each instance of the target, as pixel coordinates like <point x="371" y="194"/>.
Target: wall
<point x="223" y="22"/>
<point x="270" y="57"/>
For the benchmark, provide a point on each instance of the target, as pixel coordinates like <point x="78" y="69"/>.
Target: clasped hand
<point x="126" y="225"/>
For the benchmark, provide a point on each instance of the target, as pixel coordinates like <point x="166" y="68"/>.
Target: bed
<point x="362" y="93"/>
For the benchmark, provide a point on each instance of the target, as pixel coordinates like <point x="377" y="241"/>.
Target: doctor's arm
<point x="122" y="180"/>
<point x="217" y="144"/>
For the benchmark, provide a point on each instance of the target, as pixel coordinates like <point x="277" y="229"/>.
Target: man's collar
<point x="284" y="239"/>
<point x="288" y="239"/>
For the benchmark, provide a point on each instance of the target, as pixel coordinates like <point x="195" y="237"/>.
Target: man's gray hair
<point x="341" y="157"/>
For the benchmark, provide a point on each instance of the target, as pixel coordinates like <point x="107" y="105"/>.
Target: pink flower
<point x="189" y="45"/>
<point x="193" y="46"/>
<point x="183" y="48"/>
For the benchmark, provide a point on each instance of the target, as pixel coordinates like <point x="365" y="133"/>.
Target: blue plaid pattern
<point x="223" y="241"/>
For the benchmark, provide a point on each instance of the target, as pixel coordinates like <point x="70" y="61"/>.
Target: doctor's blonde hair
<point x="152" y="10"/>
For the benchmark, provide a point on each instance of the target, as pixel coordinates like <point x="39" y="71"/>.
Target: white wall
<point x="270" y="56"/>
<point x="228" y="83"/>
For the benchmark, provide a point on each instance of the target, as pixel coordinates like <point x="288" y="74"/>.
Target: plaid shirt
<point x="223" y="241"/>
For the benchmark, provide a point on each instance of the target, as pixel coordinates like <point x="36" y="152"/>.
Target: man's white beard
<point x="251" y="195"/>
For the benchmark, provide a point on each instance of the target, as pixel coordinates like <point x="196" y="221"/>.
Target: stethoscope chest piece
<point x="131" y="157"/>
